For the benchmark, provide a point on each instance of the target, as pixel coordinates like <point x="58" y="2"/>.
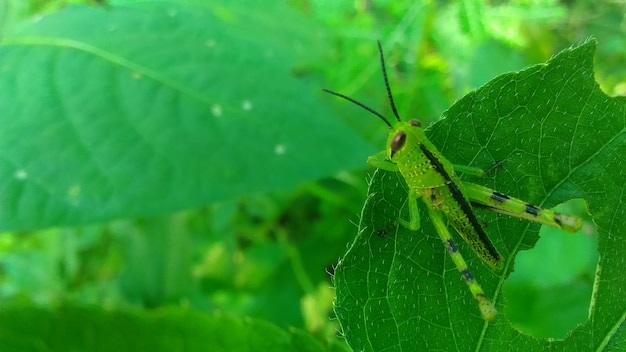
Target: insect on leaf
<point x="560" y="138"/>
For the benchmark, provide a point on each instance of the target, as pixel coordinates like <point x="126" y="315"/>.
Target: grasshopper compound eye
<point x="415" y="123"/>
<point x="398" y="141"/>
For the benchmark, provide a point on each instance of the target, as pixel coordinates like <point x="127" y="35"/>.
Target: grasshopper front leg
<point x="380" y="161"/>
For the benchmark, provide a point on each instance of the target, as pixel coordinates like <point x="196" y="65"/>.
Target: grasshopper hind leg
<point x="487" y="309"/>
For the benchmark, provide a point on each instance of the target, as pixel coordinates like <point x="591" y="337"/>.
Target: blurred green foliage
<point x="263" y="256"/>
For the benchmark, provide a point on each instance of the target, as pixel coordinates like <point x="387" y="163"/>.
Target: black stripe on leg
<point x="500" y="197"/>
<point x="450" y="246"/>
<point x="557" y="219"/>
<point x="467" y="275"/>
<point x="532" y="209"/>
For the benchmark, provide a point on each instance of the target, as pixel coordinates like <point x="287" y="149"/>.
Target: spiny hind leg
<point x="487" y="309"/>
<point x="504" y="204"/>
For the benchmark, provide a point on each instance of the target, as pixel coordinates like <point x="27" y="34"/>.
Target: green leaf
<point x="27" y="328"/>
<point x="150" y="108"/>
<point x="560" y="138"/>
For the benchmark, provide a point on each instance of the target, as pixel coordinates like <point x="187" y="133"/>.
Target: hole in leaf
<point x="549" y="292"/>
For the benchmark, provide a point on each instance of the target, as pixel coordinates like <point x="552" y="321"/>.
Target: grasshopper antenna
<point x="359" y="104"/>
<point x="389" y="95"/>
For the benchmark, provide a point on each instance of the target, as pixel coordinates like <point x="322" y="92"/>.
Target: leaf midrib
<point x="110" y="57"/>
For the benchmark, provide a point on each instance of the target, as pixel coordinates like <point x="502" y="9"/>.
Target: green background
<point x="172" y="177"/>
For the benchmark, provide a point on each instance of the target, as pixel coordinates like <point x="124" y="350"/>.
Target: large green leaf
<point x="142" y="109"/>
<point x="560" y="138"/>
<point x="77" y="328"/>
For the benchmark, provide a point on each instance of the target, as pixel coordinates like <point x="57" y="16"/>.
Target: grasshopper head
<point x="403" y="137"/>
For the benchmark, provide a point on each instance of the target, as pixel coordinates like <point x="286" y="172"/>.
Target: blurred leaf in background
<point x="134" y="110"/>
<point x="175" y="162"/>
<point x="133" y="71"/>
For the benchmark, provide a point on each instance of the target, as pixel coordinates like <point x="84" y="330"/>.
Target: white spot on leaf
<point x="246" y="105"/>
<point x="20" y="174"/>
<point x="279" y="149"/>
<point x="216" y="110"/>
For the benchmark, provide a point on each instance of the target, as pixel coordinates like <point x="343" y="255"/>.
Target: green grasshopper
<point x="431" y="177"/>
